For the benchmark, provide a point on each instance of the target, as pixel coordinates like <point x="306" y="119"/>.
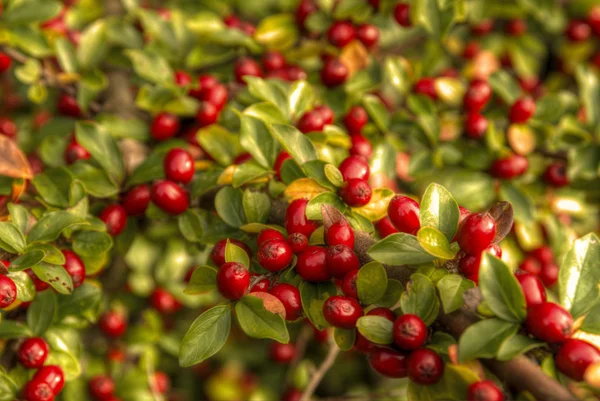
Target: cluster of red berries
<point x="102" y="388"/>
<point x="540" y="262"/>
<point x="5" y="62"/>
<point x="48" y="381"/>
<point x="475" y="235"/>
<point x="274" y="65"/>
<point x="356" y="190"/>
<point x="341" y="33"/>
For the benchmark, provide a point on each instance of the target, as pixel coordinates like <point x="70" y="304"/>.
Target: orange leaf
<point x="303" y="188"/>
<point x="271" y="303"/>
<point x="354" y="56"/>
<point x="13" y="162"/>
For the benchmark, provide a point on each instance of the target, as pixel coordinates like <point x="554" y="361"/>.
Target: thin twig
<point x="320" y="372"/>
<point x="301" y="343"/>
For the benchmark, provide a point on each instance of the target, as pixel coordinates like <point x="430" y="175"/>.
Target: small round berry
<point x="312" y="264"/>
<point x="169" y="197"/>
<point x="549" y="322"/>
<point x="74" y="152"/>
<point x="348" y="286"/>
<point x="340" y="233"/>
<point x="385" y="227"/>
<point x="404" y="214"/>
<point x="341" y="260"/>
<point x="341" y="33"/>
<point x="39" y="284"/>
<point x="361" y="344"/>
<point x="281" y="157"/>
<point x="305" y="8"/>
<point x="531" y="265"/>
<point x="402" y="15"/>
<point x="556" y="175"/>
<point x="164" y="302"/>
<point x="409" y="332"/>
<point x="290" y="298"/>
<point x="516" y="27"/>
<point x="282" y="353"/>
<point x="483" y="27"/>
<point x="355" y="119"/>
<point x="268" y="234"/>
<point x="164" y="126"/>
<point x="469" y="265"/>
<point x="216" y="95"/>
<point x="75" y="267"/>
<point x="182" y="79"/>
<point x="311" y="121"/>
<point x="549" y="274"/>
<point x="273" y="61"/>
<point x="296" y="221"/>
<point x="476" y="233"/>
<point x="179" y="166"/>
<point x="381" y="311"/>
<point x="115" y="218"/>
<point x="361" y="146"/>
<point x="275" y="255"/>
<point x="484" y="390"/>
<point x="33" y="353"/>
<point x="292" y="394"/>
<point x="260" y="286"/>
<point x="476" y="125"/>
<point x="389" y="363"/>
<point x="295" y="73"/>
<point x="101" y="387"/>
<point x="113" y="324"/>
<point x="136" y="200"/>
<point x="471" y="49"/>
<point x="478" y="94"/>
<point x="67" y="106"/>
<point x="355" y="167"/>
<point x="574" y="357"/>
<point x="425" y="366"/>
<point x="578" y="31"/>
<point x="233" y="280"/>
<point x="368" y="35"/>
<point x="356" y="192"/>
<point x="52" y="375"/>
<point x="207" y="114"/>
<point x="5" y="62"/>
<point x="8" y="291"/>
<point x="341" y="311"/>
<point x="246" y="66"/>
<point x="161" y="382"/>
<point x="509" y="167"/>
<point x="298" y="242"/>
<point x="217" y="255"/>
<point x="326" y="113"/>
<point x="426" y="87"/>
<point x="334" y="73"/>
<point x="532" y="287"/>
<point x="594" y="19"/>
<point x="521" y="110"/>
<point x="8" y="127"/>
<point x="37" y="390"/>
<point x="543" y="254"/>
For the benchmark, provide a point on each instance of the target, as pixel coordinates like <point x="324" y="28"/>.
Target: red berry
<point x="485" y="390"/>
<point x="290" y="298"/>
<point x="532" y="287"/>
<point x="75" y="152"/>
<point x="305" y="8"/>
<point x="164" y="126"/>
<point x="509" y="167"/>
<point x="404" y="214"/>
<point x="543" y="254"/>
<point x="389" y="363"/>
<point x="312" y="264"/>
<point x="164" y="302"/>
<point x="349" y="284"/>
<point x="375" y="4"/>
<point x="296" y="221"/>
<point x="268" y="234"/>
<point x="355" y="119"/>
<point x="355" y="167"/>
<point x="381" y="311"/>
<point x="549" y="274"/>
<point x="578" y="31"/>
<point x="469" y="265"/>
<point x="281" y="157"/>
<point x="67" y="106"/>
<point x="531" y="265"/>
<point x="341" y="311"/>
<point x="242" y="158"/>
<point x="368" y="35"/>
<point x="521" y="110"/>
<point x="179" y="166"/>
<point x="39" y="284"/>
<point x="326" y="113"/>
<point x="298" y="242"/>
<point x="341" y="33"/>
<point x="594" y="19"/>
<point x="233" y="280"/>
<point x="476" y="125"/>
<point x="207" y="114"/>
<point x="113" y="324"/>
<point x="115" y="218"/>
<point x="311" y="121"/>
<point x="33" y="353"/>
<point x="409" y="332"/>
<point x="101" y="387"/>
<point x="5" y="62"/>
<point x="275" y="255"/>
<point x="361" y="146"/>
<point x="75" y="267"/>
<point x="246" y="66"/>
<point x="52" y="375"/>
<point x="136" y="200"/>
<point x="471" y="50"/>
<point x="295" y="73"/>
<point x="483" y="28"/>
<point x="182" y="78"/>
<point x="549" y="322"/>
<point x="215" y="95"/>
<point x="37" y="390"/>
<point x="232" y="21"/>
<point x="291" y="394"/>
<point x="161" y="382"/>
<point x="426" y="87"/>
<point x="341" y="260"/>
<point x="273" y="61"/>
<point x="425" y="366"/>
<point x="260" y="286"/>
<point x="334" y="73"/>
<point x="402" y="15"/>
<point x="8" y="127"/>
<point x="356" y="192"/>
<point x="340" y="233"/>
<point x="385" y="227"/>
<point x="476" y="233"/>
<point x="478" y="94"/>
<point x="574" y="357"/>
<point x="282" y="353"/>
<point x="217" y="255"/>
<point x="169" y="197"/>
<point x="361" y="344"/>
<point x="516" y="27"/>
<point x="556" y="175"/>
<point x="8" y="291"/>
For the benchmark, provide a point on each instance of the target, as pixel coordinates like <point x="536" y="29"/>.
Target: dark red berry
<point x="385" y="227"/>
<point x="368" y="35"/>
<point x="136" y="200"/>
<point x="179" y="166"/>
<point x="164" y="126"/>
<point x="404" y="214"/>
<point x="341" y="33"/>
<point x="361" y="146"/>
<point x="115" y="218"/>
<point x="296" y="221"/>
<point x="425" y="366"/>
<point x="39" y="284"/>
<point x="217" y="255"/>
<point x="268" y="234"/>
<point x="311" y="121"/>
<point x="594" y="19"/>
<point x="543" y="254"/>
<point x="295" y="73"/>
<point x="298" y="242"/>
<point x="509" y="167"/>
<point x="532" y="287"/>
<point x="476" y="233"/>
<point x="169" y="197"/>
<point x="246" y="67"/>
<point x="164" y="302"/>
<point x="75" y="267"/>
<point x="355" y="119"/>
<point x="33" y="353"/>
<point x="361" y="344"/>
<point x="292" y="394"/>
<point x="305" y="8"/>
<point x="340" y="233"/>
<point x="233" y="280"/>
<point x="275" y="255"/>
<point x="476" y="125"/>
<point x="356" y="192"/>
<point x="483" y="27"/>
<point x="8" y="291"/>
<point x="326" y="113"/>
<point x="521" y="110"/>
<point x="381" y="311"/>
<point x="574" y="357"/>
<point x="549" y="274"/>
<point x="67" y="106"/>
<point x="471" y="49"/>
<point x="290" y="298"/>
<point x="75" y="152"/>
<point x="161" y="382"/>
<point x="281" y="157"/>
<point x="409" y="332"/>
<point x="101" y="387"/>
<point x="282" y="353"/>
<point x="389" y="363"/>
<point x="273" y="61"/>
<point x="334" y="73"/>
<point x="549" y="322"/>
<point x="556" y="175"/>
<point x="355" y="167"/>
<point x="5" y="62"/>
<point x="8" y="127"/>
<point x="484" y="390"/>
<point x="207" y="114"/>
<point x="426" y="87"/>
<point x="37" y="390"/>
<point x="348" y="286"/>
<point x="402" y="14"/>
<point x="341" y="260"/>
<point x="52" y="375"/>
<point x="312" y="264"/>
<point x="242" y="158"/>
<point x="113" y="324"/>
<point x="531" y="265"/>
<point x="341" y="311"/>
<point x="215" y="95"/>
<point x="516" y="27"/>
<point x="260" y="286"/>
<point x="182" y="78"/>
<point x="578" y="31"/>
<point x="478" y="94"/>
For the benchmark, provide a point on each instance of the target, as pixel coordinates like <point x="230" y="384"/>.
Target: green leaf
<point x="103" y="148"/>
<point x="300" y="98"/>
<point x="65" y="53"/>
<point x="295" y="143"/>
<point x="120" y="127"/>
<point x="313" y="208"/>
<point x="440" y="342"/>
<point x="371" y="283"/>
<point x="484" y="338"/>
<point x="28" y="259"/>
<point x="49" y="227"/>
<point x="426" y="13"/>
<point x="376" y="329"/>
<point x="392" y="295"/>
<point x="515" y="346"/>
<point x="420" y="298"/>
<point x="234" y="253"/>
<point x="229" y="206"/>
<point x="93" y="45"/>
<point x="278" y="31"/>
<point x="256" y="139"/>
<point x="26" y="12"/>
<point x="257" y="322"/>
<point x="400" y="249"/>
<point x="20" y="216"/>
<point x="247" y="172"/>
<point x="589" y="87"/>
<point x="377" y="111"/>
<point x="501" y="290"/>
<point x="11" y="239"/>
<point x="152" y="167"/>
<point x="13" y="329"/>
<point x="52" y="255"/>
<point x="344" y="338"/>
<point x="91" y="243"/>
<point x="257" y="206"/>
<point x="591" y="323"/>
<point x="25" y="288"/>
<point x="334" y="175"/>
<point x="53" y="186"/>
<point x="439" y="210"/>
<point x="203" y="280"/>
<point x="206" y="336"/>
<point x="266" y="112"/>
<point x="505" y="85"/>
<point x="85" y="301"/>
<point x="451" y="288"/>
<point x="94" y="179"/>
<point x="522" y="204"/>
<point x="219" y="143"/>
<point x="267" y="91"/>
<point x="41" y="312"/>
<point x="56" y="276"/>
<point x="313" y="296"/>
<point x="150" y="65"/>
<point x="435" y="243"/>
<point x="579" y="275"/>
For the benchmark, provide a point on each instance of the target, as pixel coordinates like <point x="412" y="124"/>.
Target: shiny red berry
<point x="5" y="62"/>
<point x="33" y="353"/>
<point x="296" y="221"/>
<point x="275" y="255"/>
<point x="75" y="267"/>
<point x="37" y="390"/>
<point x="282" y="353"/>
<point x="291" y="394"/>
<point x="217" y="255"/>
<point x="532" y="287"/>
<point x="484" y="390"/>
<point x="311" y="121"/>
<point x="355" y="167"/>
<point x="8" y="127"/>
<point x="348" y="285"/>
<point x="476" y="233"/>
<point x="368" y="35"/>
<point x="409" y="332"/>
<point x="578" y="31"/>
<point x="161" y="382"/>
<point x="169" y="197"/>
<point x="273" y="61"/>
<point x="233" y="280"/>
<point x="52" y="375"/>
<point x="39" y="284"/>
<point x="426" y="87"/>
<point x="574" y="357"/>
<point x="549" y="274"/>
<point x="113" y="324"/>
<point x="556" y="175"/>
<point x="260" y="286"/>
<point x="381" y="311"/>
<point x="136" y="200"/>
<point x="509" y="167"/>
<point x="179" y="166"/>
<point x="341" y="311"/>
<point x="207" y="114"/>
<point x="290" y="298"/>
<point x="164" y="302"/>
<point x="101" y="387"/>
<point x="75" y="152"/>
<point x="594" y="19"/>
<point x="298" y="242"/>
<point x="404" y="214"/>
<point x="425" y="366"/>
<point x="521" y="110"/>
<point x="516" y="27"/>
<point x="340" y="233"/>
<point x="326" y="113"/>
<point x="164" y="126"/>
<point x="543" y="254"/>
<point x="334" y="73"/>
<point x="356" y="192"/>
<point x="531" y="265"/>
<point x="549" y="322"/>
<point x="8" y="291"/>
<point x="361" y="146"/>
<point x="115" y="218"/>
<point x="341" y="260"/>
<point x="246" y="67"/>
<point x="355" y="119"/>
<point x="402" y="15"/>
<point x="182" y="78"/>
<point x="67" y="106"/>
<point x="305" y="8"/>
<point x="295" y="73"/>
<point x="281" y="157"/>
<point x="341" y="33"/>
<point x="312" y="264"/>
<point x="389" y="363"/>
<point x="268" y="234"/>
<point x="215" y="95"/>
<point x="476" y="97"/>
<point x="476" y="125"/>
<point x="385" y="227"/>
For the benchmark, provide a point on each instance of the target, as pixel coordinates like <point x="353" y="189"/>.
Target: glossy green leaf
<point x="267" y="91"/>
<point x="11" y="239"/>
<point x="229" y="206"/>
<point x="220" y="144"/>
<point x="28" y="259"/>
<point x="295" y="143"/>
<point x="313" y="296"/>
<point x="41" y="312"/>
<point x="234" y="253"/>
<point x="439" y="210"/>
<point x="278" y="31"/>
<point x="300" y="98"/>
<point x="451" y="288"/>
<point x="420" y="298"/>
<point x="25" y="288"/>
<point x="103" y="148"/>
<point x="93" y="45"/>
<point x="94" y="179"/>
<point x="49" y="227"/>
<point x="589" y="86"/>
<point x="591" y="323"/>
<point x="150" y="66"/>
<point x="257" y="322"/>
<point x="484" y="339"/>
<point x="256" y="139"/>
<point x="313" y="208"/>
<point x="85" y="302"/>
<point x="257" y="206"/>
<point x="91" y="243"/>
<point x="400" y="249"/>
<point x="392" y="294"/>
<point x="376" y="329"/>
<point x="203" y="280"/>
<point x="515" y="346"/>
<point x="33" y="11"/>
<point x="435" y="243"/>
<point x="13" y="329"/>
<point x="371" y="283"/>
<point x="344" y="338"/>
<point x="247" y="172"/>
<point x="501" y="290"/>
<point x="56" y="276"/>
<point x="206" y="336"/>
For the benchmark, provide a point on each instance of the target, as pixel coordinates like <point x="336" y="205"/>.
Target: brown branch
<point x="320" y="372"/>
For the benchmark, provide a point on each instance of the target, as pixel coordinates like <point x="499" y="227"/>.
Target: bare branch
<point x="320" y="372"/>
